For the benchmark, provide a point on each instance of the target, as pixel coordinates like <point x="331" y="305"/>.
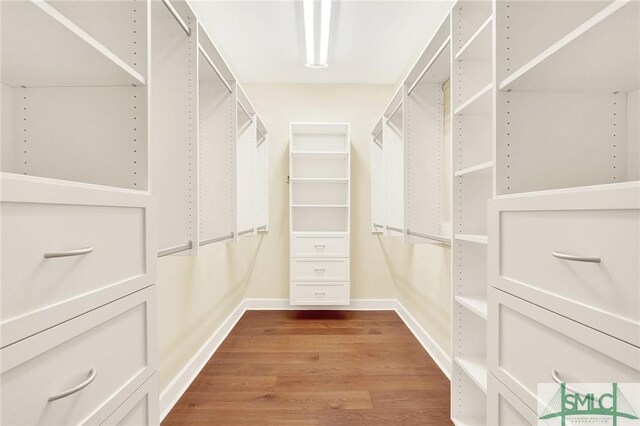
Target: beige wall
<point x="197" y="294"/>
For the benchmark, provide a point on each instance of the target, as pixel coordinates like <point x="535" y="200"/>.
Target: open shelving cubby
<point x="173" y="128"/>
<point x="473" y="91"/>
<point x="319" y="177"/>
<point x="217" y="147"/>
<point x="74" y="98"/>
<point x="567" y="105"/>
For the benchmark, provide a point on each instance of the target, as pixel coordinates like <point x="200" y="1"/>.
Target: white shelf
<point x="478" y="47"/>
<point x="320" y="205"/>
<point x="321" y="155"/>
<point x="602" y="54"/>
<point x="42" y="48"/>
<point x="486" y="166"/>
<point x="480" y="239"/>
<point x="478" y="104"/>
<point x="475" y="303"/>
<point x="469" y="421"/>
<point x="475" y="367"/>
<point x="319" y="180"/>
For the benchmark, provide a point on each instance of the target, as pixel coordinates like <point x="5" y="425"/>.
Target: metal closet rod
<point x="177" y="17"/>
<point x="261" y="228"/>
<point x="437" y="238"/>
<point x="378" y="225"/>
<point x="215" y="240"/>
<point x="215" y="69"/>
<point x="176" y="249"/>
<point x="393" y="228"/>
<point x="429" y="65"/>
<point x="246" y="231"/>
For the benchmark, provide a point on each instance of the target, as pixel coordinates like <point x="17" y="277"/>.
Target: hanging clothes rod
<point x="177" y="17"/>
<point x="392" y="228"/>
<point x="262" y="228"/>
<point x="246" y="231"/>
<point x="215" y="69"/>
<point x="176" y="249"/>
<point x="437" y="238"/>
<point x="430" y="64"/>
<point x="216" y="240"/>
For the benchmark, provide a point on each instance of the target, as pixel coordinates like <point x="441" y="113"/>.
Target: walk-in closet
<point x="319" y="212"/>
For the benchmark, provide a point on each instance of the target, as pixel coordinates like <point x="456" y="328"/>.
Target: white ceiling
<point x="371" y="41"/>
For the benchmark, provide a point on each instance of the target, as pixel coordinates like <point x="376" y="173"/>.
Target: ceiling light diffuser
<point x="316" y="32"/>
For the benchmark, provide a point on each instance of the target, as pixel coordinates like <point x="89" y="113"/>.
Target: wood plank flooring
<point x="321" y="368"/>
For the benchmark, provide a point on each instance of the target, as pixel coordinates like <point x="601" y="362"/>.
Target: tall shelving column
<point x="472" y="186"/>
<point x="320" y="206"/>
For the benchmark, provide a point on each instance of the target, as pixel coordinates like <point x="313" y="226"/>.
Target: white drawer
<point x="526" y="343"/>
<point x="139" y="409"/>
<point x="307" y="269"/>
<point x="506" y="409"/>
<point x="319" y="294"/>
<point x="316" y="246"/>
<point x="525" y="232"/>
<point x="112" y="344"/>
<point x="46" y="216"/>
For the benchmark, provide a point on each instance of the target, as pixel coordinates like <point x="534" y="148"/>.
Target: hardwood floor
<point x="317" y="368"/>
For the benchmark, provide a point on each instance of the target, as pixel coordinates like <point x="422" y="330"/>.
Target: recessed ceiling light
<point x="317" y="45"/>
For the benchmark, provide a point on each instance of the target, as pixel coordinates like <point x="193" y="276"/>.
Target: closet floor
<point x="317" y="368"/>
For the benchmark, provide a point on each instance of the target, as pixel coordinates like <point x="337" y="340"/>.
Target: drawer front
<point x="506" y="409"/>
<point x="527" y="344"/>
<point x="312" y="246"/>
<point x="109" y="351"/>
<point x="40" y="288"/>
<point x="319" y="269"/>
<point x="319" y="294"/>
<point x="530" y="261"/>
<point x="139" y="409"/>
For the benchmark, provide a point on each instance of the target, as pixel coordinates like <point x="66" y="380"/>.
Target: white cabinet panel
<point x="44" y="218"/>
<point x="528" y="343"/>
<point x="111" y="351"/>
<point x="531" y="237"/>
<point x="506" y="409"/>
<point x="317" y="245"/>
<point x="319" y="269"/>
<point x="320" y="293"/>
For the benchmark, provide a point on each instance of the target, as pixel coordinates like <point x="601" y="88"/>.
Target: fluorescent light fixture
<point x="317" y="53"/>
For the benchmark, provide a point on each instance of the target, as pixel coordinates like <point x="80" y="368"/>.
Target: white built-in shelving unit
<point x="320" y="209"/>
<point x="174" y="126"/>
<point x="233" y="152"/>
<point x="563" y="226"/>
<point x="78" y="222"/>
<point x="410" y="151"/>
<point x="472" y="92"/>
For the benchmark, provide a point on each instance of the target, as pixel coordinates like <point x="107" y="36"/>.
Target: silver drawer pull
<point x="78" y="252"/>
<point x="319" y="294"/>
<point x="92" y="377"/>
<point x="319" y="246"/>
<point x="319" y="270"/>
<point x="556" y="378"/>
<point x="575" y="258"/>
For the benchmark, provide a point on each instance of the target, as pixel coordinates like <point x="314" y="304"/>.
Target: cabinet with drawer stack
<point x="564" y="253"/>
<point x="78" y="300"/>
<point x="319" y="213"/>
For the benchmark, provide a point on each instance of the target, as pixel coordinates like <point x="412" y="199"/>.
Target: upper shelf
<point x="602" y="54"/>
<point x="478" y="47"/>
<point x="42" y="48"/>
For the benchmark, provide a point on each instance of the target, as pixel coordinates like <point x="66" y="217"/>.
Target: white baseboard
<point x="435" y="351"/>
<point x="356" y="305"/>
<point x="174" y="390"/>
